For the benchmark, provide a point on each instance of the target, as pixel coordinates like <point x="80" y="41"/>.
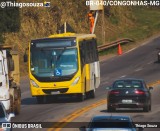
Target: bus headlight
<point x="34" y="83"/>
<point x="75" y="81"/>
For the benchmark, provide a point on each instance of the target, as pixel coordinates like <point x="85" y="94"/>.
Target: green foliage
<point x="10" y="21"/>
<point x="114" y="20"/>
<point x="119" y="22"/>
<point x="147" y="23"/>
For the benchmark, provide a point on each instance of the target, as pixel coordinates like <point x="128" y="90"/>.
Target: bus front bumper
<point x="55" y="91"/>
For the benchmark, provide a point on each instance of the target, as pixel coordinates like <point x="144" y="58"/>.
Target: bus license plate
<point x="55" y="92"/>
<point x="126" y="101"/>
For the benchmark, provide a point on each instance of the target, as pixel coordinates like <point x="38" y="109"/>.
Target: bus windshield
<point x="54" y="62"/>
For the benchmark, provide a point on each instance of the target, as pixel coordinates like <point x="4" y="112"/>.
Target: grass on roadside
<point x="147" y="23"/>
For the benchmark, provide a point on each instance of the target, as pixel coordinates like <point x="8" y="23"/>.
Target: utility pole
<point x="96" y="9"/>
<point x="95" y="21"/>
<point x="65" y="27"/>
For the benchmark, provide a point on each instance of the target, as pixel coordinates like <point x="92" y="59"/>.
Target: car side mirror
<point x="82" y="128"/>
<point x="150" y="88"/>
<point x="10" y="116"/>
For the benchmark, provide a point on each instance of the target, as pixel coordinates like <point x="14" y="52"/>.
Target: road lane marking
<point x="150" y="62"/>
<point x="63" y="122"/>
<point x="122" y="76"/>
<point x="154" y="83"/>
<point x="130" y="50"/>
<point x="138" y="69"/>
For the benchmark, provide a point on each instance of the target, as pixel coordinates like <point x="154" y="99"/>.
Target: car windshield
<point x="2" y="113"/>
<point x="128" y="84"/>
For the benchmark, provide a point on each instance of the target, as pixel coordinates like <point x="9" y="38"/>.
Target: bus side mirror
<point x="25" y="58"/>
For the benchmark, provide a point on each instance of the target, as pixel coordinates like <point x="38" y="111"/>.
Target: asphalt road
<point x="138" y="63"/>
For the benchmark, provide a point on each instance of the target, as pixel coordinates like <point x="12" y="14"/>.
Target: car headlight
<point x="34" y="83"/>
<point x="75" y="81"/>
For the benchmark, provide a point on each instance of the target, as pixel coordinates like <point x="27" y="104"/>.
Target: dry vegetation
<point x="41" y="22"/>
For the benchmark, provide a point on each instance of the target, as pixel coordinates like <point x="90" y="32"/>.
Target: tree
<point x="9" y="20"/>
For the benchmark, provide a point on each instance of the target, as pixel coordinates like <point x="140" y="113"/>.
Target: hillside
<point x="120" y="21"/>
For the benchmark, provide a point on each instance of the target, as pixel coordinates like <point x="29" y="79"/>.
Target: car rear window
<point x="127" y="84"/>
<point x="109" y="123"/>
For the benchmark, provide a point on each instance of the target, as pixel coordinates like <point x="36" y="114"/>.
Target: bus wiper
<point x="59" y="56"/>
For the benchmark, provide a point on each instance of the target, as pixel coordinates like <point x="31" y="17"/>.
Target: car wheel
<point x="150" y="107"/>
<point x="146" y="108"/>
<point x="110" y="109"/>
<point x="158" y="57"/>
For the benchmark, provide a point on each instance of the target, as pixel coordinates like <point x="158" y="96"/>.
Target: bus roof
<point x="67" y="36"/>
<point x="71" y="35"/>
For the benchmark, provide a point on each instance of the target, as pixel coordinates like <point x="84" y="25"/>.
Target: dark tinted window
<point x="111" y="123"/>
<point x="88" y="51"/>
<point x="128" y="84"/>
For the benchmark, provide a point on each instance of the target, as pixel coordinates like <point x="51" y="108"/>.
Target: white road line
<point x="138" y="69"/>
<point x="122" y="76"/>
<point x="130" y="50"/>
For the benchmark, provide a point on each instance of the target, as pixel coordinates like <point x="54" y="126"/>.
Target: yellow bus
<point x="64" y="64"/>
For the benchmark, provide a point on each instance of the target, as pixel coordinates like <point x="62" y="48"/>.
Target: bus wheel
<point x="80" y="97"/>
<point x="92" y="92"/>
<point x="40" y="99"/>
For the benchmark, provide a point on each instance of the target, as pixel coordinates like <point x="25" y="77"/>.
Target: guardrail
<point x="114" y="43"/>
